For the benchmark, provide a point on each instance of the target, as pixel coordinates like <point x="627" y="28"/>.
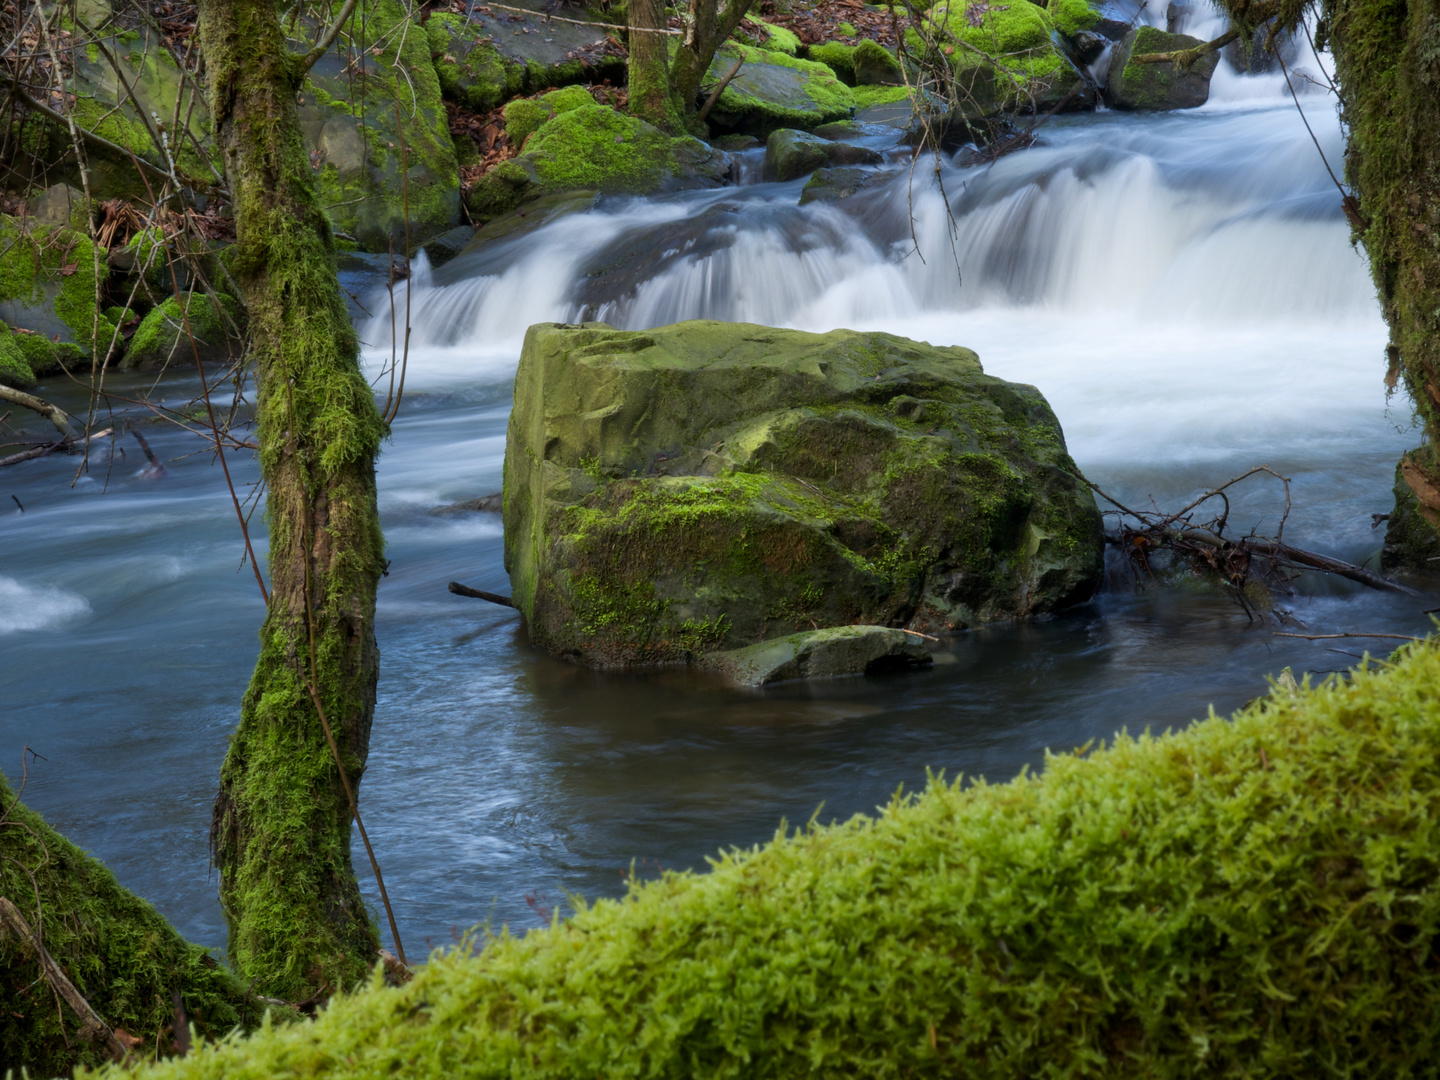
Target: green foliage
<point x="866" y="96"/>
<point x="121" y="955"/>
<point x="846" y="29"/>
<point x="1257" y="897"/>
<point x="164" y="336"/>
<point x="46" y="357"/>
<point x="1015" y="38"/>
<point x="15" y="370"/>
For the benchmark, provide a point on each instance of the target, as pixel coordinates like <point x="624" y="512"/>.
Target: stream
<point x="1182" y="289"/>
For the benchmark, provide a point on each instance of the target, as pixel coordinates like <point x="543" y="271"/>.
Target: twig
<point x="92" y="1027"/>
<point x="28" y="455"/>
<point x="327" y="39"/>
<point x="53" y="413"/>
<point x="581" y="22"/>
<point x="1332" y="637"/>
<point x="715" y="94"/>
<point x="480" y="594"/>
<point x="917" y="633"/>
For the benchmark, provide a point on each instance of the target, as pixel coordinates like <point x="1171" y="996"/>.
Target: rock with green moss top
<point x="837" y="56"/>
<point x="164" y="337"/>
<point x="1070" y="17"/>
<point x="48" y="281"/>
<point x="15" y="370"/>
<point x="773" y="91"/>
<point x="499" y="53"/>
<point x="832" y="185"/>
<point x="594" y="148"/>
<point x="1157" y="87"/>
<point x="1412" y="534"/>
<point x="706" y="486"/>
<point x="790" y="154"/>
<point x="873" y="65"/>
<point x="779" y="39"/>
<point x="526" y="116"/>
<point x="819" y="654"/>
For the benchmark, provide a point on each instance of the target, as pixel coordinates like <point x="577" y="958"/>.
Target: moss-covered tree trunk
<point x="1386" y="64"/>
<point x="706" y="31"/>
<point x="649" y="68"/>
<point x="281" y="829"/>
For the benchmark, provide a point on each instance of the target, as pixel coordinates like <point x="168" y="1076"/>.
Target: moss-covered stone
<point x="14" y="368"/>
<point x="1412" y="534"/>
<point x="790" y="154"/>
<point x="781" y="39"/>
<point x="872" y="64"/>
<point x="1072" y="16"/>
<point x="709" y="485"/>
<point x="380" y="137"/>
<point x="471" y="70"/>
<point x="773" y="91"/>
<point x="163" y="338"/>
<point x="837" y="56"/>
<point x="48" y="284"/>
<point x="116" y="949"/>
<point x="594" y="148"/>
<point x="1157" y="87"/>
<point x="525" y="116"/>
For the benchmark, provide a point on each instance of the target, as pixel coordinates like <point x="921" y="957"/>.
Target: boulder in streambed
<point x="832" y="185"/>
<point x="707" y="486"/>
<point x="790" y="154"/>
<point x="773" y="90"/>
<point x="1157" y="87"/>
<point x="594" y="148"/>
<point x="819" y="654"/>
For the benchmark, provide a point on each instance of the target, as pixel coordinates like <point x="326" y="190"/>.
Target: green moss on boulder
<point x="837" y="56"/>
<point x="707" y="485"/>
<point x="15" y="370"/>
<point x="1253" y="897"/>
<point x="526" y="116"/>
<point x="873" y="64"/>
<point x="593" y="147"/>
<point x="163" y="338"/>
<point x="781" y="39"/>
<point x="1072" y="16"/>
<point x="48" y="284"/>
<point x="1157" y="87"/>
<point x="774" y="91"/>
<point x="471" y="70"/>
<point x="116" y="949"/>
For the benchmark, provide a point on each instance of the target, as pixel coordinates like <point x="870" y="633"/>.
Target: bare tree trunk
<point x="281" y="827"/>
<point x="649" y="68"/>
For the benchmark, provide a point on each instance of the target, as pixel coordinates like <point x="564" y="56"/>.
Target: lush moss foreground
<point x="1250" y="898"/>
<point x="117" y="950"/>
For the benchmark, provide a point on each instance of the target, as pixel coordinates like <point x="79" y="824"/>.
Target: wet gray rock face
<point x="820" y="654"/>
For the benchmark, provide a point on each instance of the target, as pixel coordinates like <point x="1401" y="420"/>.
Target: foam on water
<point x="26" y="607"/>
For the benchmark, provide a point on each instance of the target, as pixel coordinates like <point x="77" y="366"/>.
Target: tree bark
<point x="281" y="826"/>
<point x="649" y="68"/>
<point x="708" y="29"/>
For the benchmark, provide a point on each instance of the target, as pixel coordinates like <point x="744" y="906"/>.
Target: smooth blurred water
<point x="1182" y="289"/>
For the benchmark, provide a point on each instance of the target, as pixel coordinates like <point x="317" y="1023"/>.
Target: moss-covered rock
<point x="594" y="148"/>
<point x="706" y="486"/>
<point x="497" y="54"/>
<point x="790" y="154"/>
<point x="1256" y="896"/>
<point x="15" y="370"/>
<point x="837" y="56"/>
<point x="163" y="338"/>
<point x="872" y="65"/>
<point x="384" y="159"/>
<point x="832" y="185"/>
<point x="1412" y="542"/>
<point x="773" y="91"/>
<point x="1157" y="87"/>
<point x="116" y="949"/>
<point x="780" y="39"/>
<point x="525" y="116"/>
<point x="48" y="284"/>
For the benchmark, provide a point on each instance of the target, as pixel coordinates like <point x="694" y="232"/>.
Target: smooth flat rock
<point x="819" y="654"/>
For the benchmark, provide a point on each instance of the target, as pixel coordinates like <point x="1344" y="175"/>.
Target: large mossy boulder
<point x="706" y="486"/>
<point x="773" y="90"/>
<point x="595" y="148"/>
<point x="790" y="154"/>
<point x="179" y="330"/>
<point x="1157" y="87"/>
<point x="48" y="287"/>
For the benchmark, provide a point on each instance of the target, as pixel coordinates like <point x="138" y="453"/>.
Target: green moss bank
<point x="1257" y="897"/>
<point x="48" y="284"/>
<point x="116" y="949"/>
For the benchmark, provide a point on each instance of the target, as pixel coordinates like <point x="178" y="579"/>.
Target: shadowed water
<point x="1182" y="289"/>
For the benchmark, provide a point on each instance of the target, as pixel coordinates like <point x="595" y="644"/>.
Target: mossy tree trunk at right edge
<point x="281" y="829"/>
